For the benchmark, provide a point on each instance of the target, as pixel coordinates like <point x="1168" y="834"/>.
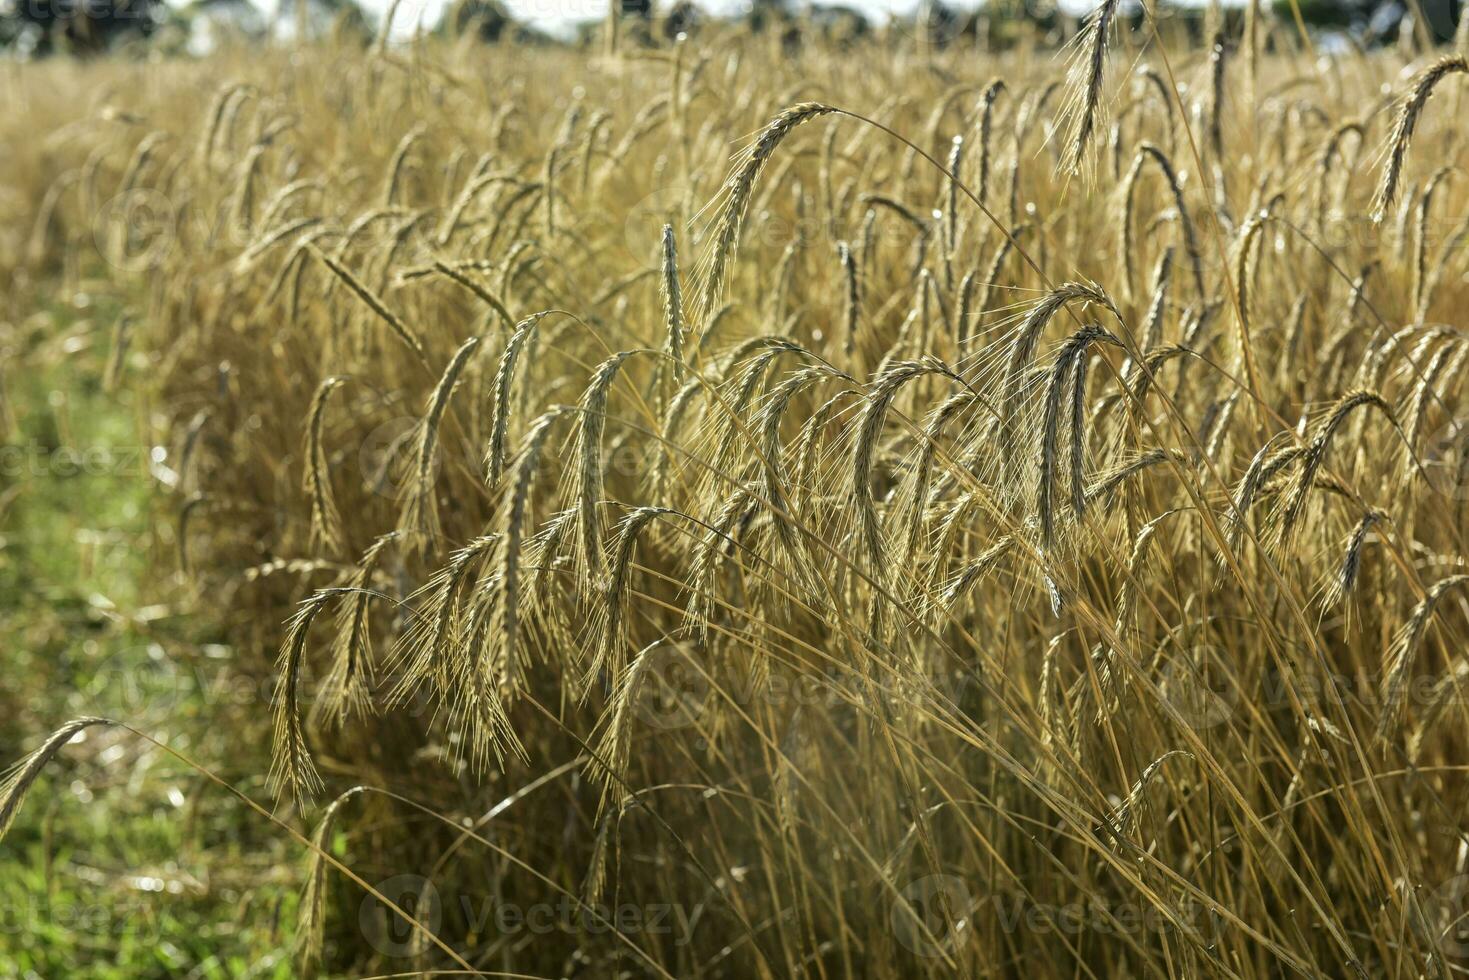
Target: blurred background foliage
<point x="33" y="28"/>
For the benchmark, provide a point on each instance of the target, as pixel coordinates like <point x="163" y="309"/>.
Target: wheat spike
<point x="1395" y="152"/>
<point x="23" y="774"/>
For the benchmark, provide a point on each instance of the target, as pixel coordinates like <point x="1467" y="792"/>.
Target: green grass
<point x="123" y="862"/>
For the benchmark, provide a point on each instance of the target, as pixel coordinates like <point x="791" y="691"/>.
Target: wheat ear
<point x="509" y="558"/>
<point x="291" y="767"/>
<point x="1409" y="111"/>
<point x="23" y="774"/>
<point x="419" y="519"/>
<point x="1315" y="454"/>
<point x="672" y="306"/>
<point x="500" y="407"/>
<point x="737" y="192"/>
<point x="1346" y="577"/>
<point x="1404" y="648"/>
<point x="311" y="927"/>
<point x="344" y="691"/>
<point x="395" y="323"/>
<point x="326" y="520"/>
<point x="1023" y="345"/>
<point x="1084" y="84"/>
<point x="588" y="476"/>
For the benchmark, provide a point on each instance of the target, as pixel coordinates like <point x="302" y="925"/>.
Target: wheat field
<point x="735" y="507"/>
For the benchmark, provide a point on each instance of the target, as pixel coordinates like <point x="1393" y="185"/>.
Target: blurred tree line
<point x="38" y="27"/>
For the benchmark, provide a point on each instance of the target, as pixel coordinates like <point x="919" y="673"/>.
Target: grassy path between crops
<point x="122" y="863"/>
